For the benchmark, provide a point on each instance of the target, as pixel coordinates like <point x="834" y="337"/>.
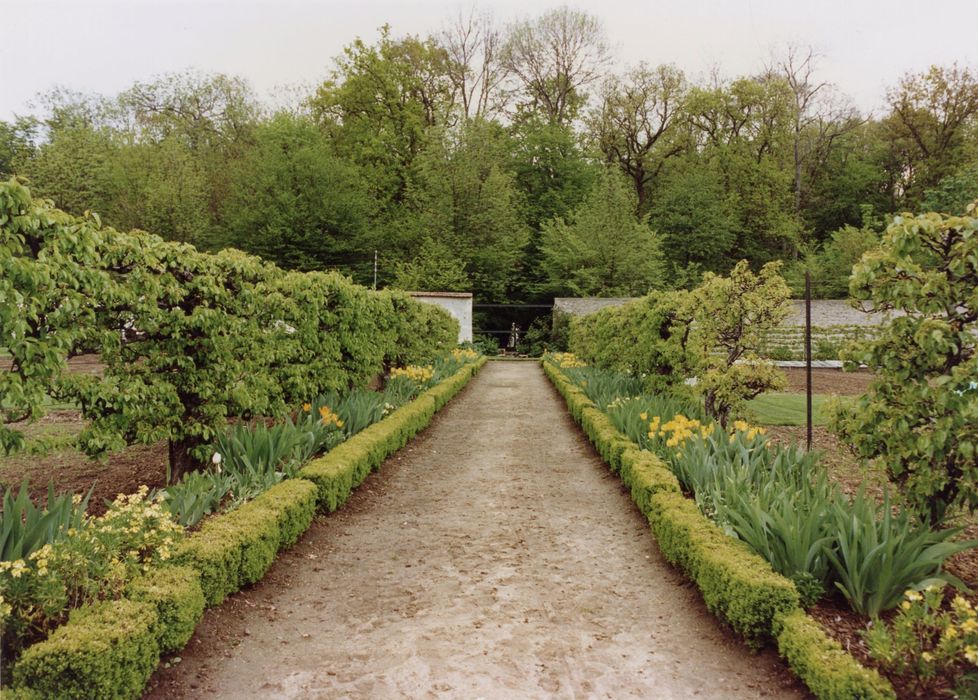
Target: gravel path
<point x="494" y="557"/>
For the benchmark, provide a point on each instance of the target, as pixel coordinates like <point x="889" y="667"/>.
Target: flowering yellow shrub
<point x="567" y="360"/>
<point x="926" y="642"/>
<point x="92" y="563"/>
<point x="420" y="375"/>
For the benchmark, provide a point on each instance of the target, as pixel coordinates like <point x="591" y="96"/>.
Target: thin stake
<point x="375" y="270"/>
<point x="808" y="354"/>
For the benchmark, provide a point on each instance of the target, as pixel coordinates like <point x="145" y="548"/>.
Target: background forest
<point x="513" y="162"/>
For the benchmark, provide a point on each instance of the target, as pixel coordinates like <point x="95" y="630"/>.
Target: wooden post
<point x="808" y="355"/>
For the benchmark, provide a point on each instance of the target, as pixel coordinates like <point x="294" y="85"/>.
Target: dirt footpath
<point x="494" y="557"/>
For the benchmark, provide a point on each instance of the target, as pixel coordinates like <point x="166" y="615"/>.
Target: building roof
<point x="448" y="295"/>
<point x="581" y="306"/>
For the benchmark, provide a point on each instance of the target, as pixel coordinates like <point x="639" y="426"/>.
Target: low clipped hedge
<point x="237" y="548"/>
<point x="106" y="650"/>
<point x="823" y="664"/>
<point x="110" y="650"/>
<point x="737" y="585"/>
<point x="176" y="594"/>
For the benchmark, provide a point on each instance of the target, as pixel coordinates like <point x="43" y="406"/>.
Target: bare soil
<point x="829" y="381"/>
<point x="494" y="557"/>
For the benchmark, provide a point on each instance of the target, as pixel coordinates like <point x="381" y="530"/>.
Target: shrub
<point x="729" y="316"/>
<point x="97" y="561"/>
<point x="644" y="336"/>
<point x="107" y="650"/>
<point x="920" y="415"/>
<point x="926" y="645"/>
<point x="176" y="594"/>
<point x="822" y="663"/>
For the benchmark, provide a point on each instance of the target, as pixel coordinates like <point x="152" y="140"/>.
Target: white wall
<point x="459" y="305"/>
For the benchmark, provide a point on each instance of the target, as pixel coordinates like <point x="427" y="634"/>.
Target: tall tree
<point x="636" y="124"/>
<point x="379" y="105"/>
<point x="554" y="58"/>
<point x="603" y="249"/>
<point x="294" y="202"/>
<point x="820" y="116"/>
<point x="473" y="44"/>
<point x="930" y="114"/>
<point x="466" y="199"/>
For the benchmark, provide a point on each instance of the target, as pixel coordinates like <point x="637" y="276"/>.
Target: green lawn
<point x="783" y="408"/>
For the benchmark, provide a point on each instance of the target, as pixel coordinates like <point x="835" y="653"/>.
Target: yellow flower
<point x="927" y="656"/>
<point x="307" y="407"/>
<point x="643" y="415"/>
<point x="971" y="654"/>
<point x="905" y="605"/>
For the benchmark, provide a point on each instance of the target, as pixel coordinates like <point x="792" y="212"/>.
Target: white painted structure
<point x="458" y="304"/>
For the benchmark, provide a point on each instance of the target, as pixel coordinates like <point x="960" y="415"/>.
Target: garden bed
<point x="231" y="550"/>
<point x="737" y="585"/>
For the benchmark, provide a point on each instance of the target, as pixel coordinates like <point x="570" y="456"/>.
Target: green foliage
<point x="602" y="249"/>
<point x="920" y="414"/>
<point x="107" y="650"/>
<point x="696" y="218"/>
<point x="603" y="387"/>
<point x="878" y="554"/>
<point x="294" y="202"/>
<point x="729" y="316"/>
<point x="187" y="339"/>
<point x="25" y="528"/>
<point x="236" y="548"/>
<point x="642" y="337"/>
<point x="196" y="495"/>
<point x="92" y="563"/>
<point x="736" y="584"/>
<point x="924" y="644"/>
<point x="822" y="663"/>
<point x="175" y="592"/>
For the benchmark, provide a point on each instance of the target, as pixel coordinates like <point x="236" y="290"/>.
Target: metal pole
<point x="808" y="354"/>
<point x="375" y="270"/>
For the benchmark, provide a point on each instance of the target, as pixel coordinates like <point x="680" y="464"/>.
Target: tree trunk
<point x="182" y="460"/>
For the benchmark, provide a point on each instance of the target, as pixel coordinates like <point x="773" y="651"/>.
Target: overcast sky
<point x="106" y="45"/>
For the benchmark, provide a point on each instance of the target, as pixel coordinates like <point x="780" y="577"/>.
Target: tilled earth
<point x="494" y="557"/>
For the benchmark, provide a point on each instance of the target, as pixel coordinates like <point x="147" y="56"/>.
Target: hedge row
<point x="737" y="585"/>
<point x="186" y="338"/>
<point x="109" y="650"/>
<point x="636" y="337"/>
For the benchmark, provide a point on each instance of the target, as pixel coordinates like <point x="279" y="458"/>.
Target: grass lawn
<point x="783" y="408"/>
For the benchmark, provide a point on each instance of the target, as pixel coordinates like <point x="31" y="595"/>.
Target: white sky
<point x="104" y="46"/>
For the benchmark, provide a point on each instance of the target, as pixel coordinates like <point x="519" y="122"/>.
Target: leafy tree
<point x="468" y="201"/>
<point x="603" y="249"/>
<point x="379" y="105"/>
<point x="16" y="143"/>
<point x="920" y="414"/>
<point x="637" y="125"/>
<point x="954" y="193"/>
<point x="696" y="218"/>
<point x="434" y="269"/>
<point x="294" y="202"/>
<point x="927" y="126"/>
<point x="727" y="318"/>
<point x="554" y="58"/>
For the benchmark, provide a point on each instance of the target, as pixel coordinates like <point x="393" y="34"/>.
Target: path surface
<point x="494" y="557"/>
